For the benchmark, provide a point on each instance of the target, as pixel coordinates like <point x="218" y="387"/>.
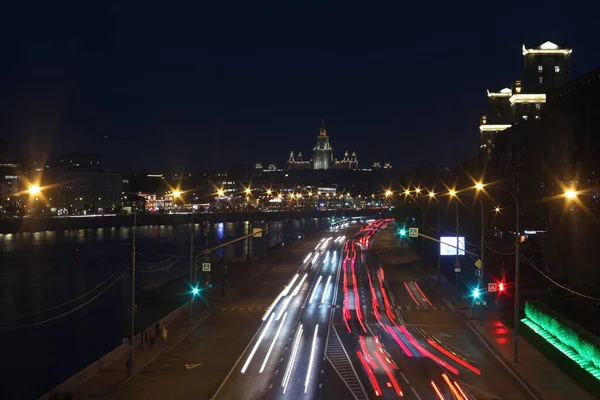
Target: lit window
<point x="540" y="80"/>
<point x="556" y="69"/>
<point x="538" y="106"/>
<point x="540" y="69"/>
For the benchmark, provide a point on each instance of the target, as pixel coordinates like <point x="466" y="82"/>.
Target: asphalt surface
<point x="351" y="319"/>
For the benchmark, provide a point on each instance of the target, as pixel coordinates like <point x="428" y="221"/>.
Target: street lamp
<point x="570" y="194"/>
<point x="35" y="189"/>
<point x="388" y="193"/>
<point x="479" y="186"/>
<point x="452" y="193"/>
<point x="220" y="192"/>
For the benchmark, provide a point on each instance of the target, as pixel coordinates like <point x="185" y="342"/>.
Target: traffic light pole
<point x="456" y="264"/>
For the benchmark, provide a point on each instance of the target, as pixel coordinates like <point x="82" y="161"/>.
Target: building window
<point x="538" y="106"/>
<point x="525" y="117"/>
<point x="556" y="69"/>
<point x="540" y="80"/>
<point x="540" y="69"/>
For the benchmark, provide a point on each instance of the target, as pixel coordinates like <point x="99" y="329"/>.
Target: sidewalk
<point x="537" y="373"/>
<point x="105" y="375"/>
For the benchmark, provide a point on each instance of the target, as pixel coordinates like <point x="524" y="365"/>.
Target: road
<point x="343" y="316"/>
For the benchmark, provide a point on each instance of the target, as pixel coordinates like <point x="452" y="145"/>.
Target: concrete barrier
<point x="105" y="361"/>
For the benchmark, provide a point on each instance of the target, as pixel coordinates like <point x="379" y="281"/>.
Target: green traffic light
<point x="402" y="232"/>
<point x="476" y="293"/>
<point x="195" y="291"/>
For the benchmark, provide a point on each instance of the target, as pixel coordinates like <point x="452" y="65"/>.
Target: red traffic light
<point x="501" y="287"/>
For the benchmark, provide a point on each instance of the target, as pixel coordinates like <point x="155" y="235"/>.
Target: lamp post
<point x="452" y="193"/>
<point x="132" y="332"/>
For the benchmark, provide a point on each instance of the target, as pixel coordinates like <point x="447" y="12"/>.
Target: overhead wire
<point x="16" y="316"/>
<point x="64" y="314"/>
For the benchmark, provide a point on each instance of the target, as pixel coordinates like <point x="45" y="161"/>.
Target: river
<point x="39" y="271"/>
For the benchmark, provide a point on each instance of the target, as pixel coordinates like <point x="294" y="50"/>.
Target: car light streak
<point x="426" y="353"/>
<point x="452" y="388"/>
<point x="366" y="353"/>
<point x="312" y="296"/>
<point x="290" y="366"/>
<point x="310" y="362"/>
<point x="411" y="295"/>
<point x="289" y="287"/>
<point x="437" y="391"/>
<point x="422" y="294"/>
<point x="260" y="338"/>
<point x="370" y="374"/>
<point x="317" y="247"/>
<point x="453" y="356"/>
<point x="284" y="292"/>
<point x="315" y="258"/>
<point x="295" y="292"/>
<point x="307" y="258"/>
<point x="325" y="290"/>
<point x="326" y="257"/>
<point x="461" y="391"/>
<point x="289" y="298"/>
<point x="390" y="375"/>
<point x="262" y="368"/>
<point x="399" y="341"/>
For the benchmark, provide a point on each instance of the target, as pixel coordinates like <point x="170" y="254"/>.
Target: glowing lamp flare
<point x="570" y="194"/>
<point x="35" y="189"/>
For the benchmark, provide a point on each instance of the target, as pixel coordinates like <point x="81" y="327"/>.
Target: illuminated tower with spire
<point x="323" y="153"/>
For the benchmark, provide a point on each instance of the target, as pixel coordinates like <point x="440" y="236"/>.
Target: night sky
<point x="189" y="84"/>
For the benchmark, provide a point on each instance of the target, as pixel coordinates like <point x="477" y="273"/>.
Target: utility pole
<point x="132" y="333"/>
<point x="483" y="289"/>
<point x="191" y="259"/>
<point x="457" y="263"/>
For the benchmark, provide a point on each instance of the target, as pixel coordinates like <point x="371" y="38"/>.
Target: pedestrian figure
<point x="164" y="331"/>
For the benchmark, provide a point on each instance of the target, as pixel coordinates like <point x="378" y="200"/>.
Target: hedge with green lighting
<point x="571" y="334"/>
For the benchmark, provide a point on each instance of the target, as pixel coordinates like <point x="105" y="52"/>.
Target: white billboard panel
<point x="448" y="246"/>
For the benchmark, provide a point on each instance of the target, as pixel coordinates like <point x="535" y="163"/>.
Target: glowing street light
<point x="570" y="194"/>
<point x="388" y="193"/>
<point x="248" y="191"/>
<point x="220" y="192"/>
<point x="35" y="189"/>
<point x="269" y="192"/>
<point x="479" y="186"/>
<point x="431" y="194"/>
<point x="407" y="192"/>
<point x="452" y="192"/>
<point x="497" y="209"/>
<point x="176" y="193"/>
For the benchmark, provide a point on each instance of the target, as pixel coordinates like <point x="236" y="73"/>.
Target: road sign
<point x="478" y="264"/>
<point x="492" y="287"/>
<point x="206" y="267"/>
<point x="413" y="232"/>
<point x="256" y="232"/>
<point x="192" y="366"/>
<point x="456" y="269"/>
<point x="477" y="272"/>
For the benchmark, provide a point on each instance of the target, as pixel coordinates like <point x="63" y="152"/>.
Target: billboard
<point x="448" y="246"/>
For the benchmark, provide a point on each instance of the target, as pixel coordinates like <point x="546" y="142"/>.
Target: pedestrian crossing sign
<point x="206" y="267"/>
<point x="413" y="232"/>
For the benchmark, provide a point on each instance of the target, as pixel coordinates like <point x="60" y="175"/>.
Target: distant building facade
<point x="546" y="67"/>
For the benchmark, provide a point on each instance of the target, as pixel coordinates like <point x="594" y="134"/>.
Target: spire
<point x="323" y="131"/>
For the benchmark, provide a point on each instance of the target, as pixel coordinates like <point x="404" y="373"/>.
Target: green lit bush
<point x="571" y="334"/>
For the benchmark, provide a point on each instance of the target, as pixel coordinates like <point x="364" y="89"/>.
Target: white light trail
<point x="289" y="287"/>
<point x="308" y="257"/>
<point x="325" y="290"/>
<point x="272" y="306"/>
<point x="289" y="298"/>
<point x="299" y="285"/>
<point x="310" y="363"/>
<point x="288" y="370"/>
<point x="315" y="258"/>
<point x="334" y="257"/>
<point x="312" y="296"/>
<point x="317" y="247"/>
<point x="326" y="256"/>
<point x="262" y="368"/>
<point x="260" y="338"/>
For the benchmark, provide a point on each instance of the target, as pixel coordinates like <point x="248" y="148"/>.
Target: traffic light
<point x="476" y="293"/>
<point x="195" y="291"/>
<point x="402" y="232"/>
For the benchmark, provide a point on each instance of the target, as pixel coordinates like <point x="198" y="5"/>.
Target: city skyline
<point x="94" y="88"/>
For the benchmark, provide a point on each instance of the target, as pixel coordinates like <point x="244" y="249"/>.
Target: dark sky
<point x="200" y="85"/>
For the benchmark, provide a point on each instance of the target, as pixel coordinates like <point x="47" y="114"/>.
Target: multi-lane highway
<point x="357" y="323"/>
